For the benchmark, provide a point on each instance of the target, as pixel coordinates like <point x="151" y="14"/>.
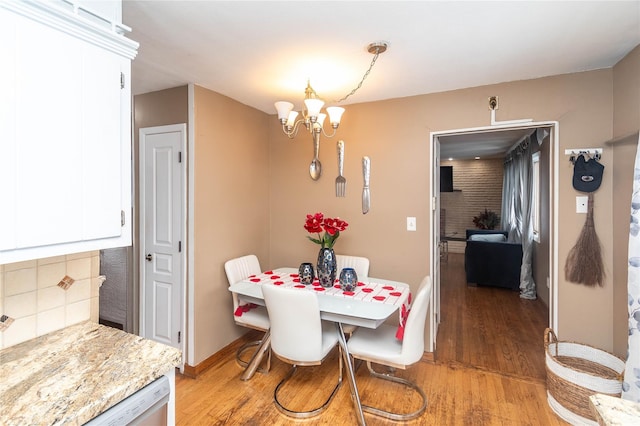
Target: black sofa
<point x="495" y="264"/>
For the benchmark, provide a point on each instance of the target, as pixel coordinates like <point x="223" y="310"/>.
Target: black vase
<point x="306" y="274"/>
<point x="327" y="267"/>
<point x="348" y="279"/>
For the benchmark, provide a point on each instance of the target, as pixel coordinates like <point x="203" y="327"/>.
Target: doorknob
<point x="149" y="257"/>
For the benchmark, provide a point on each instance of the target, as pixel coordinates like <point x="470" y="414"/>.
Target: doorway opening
<point x="479" y="142"/>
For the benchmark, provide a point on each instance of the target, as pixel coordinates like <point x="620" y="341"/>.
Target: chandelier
<point x="311" y="116"/>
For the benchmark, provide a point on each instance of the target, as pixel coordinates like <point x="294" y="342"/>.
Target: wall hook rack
<point x="595" y="153"/>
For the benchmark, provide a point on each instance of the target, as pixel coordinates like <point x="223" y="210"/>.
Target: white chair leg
<point x="389" y="414"/>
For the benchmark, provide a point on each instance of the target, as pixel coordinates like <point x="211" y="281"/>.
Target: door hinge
<point x="179" y="156"/>
<point x="179" y="246"/>
<point x="179" y="337"/>
<point x="122" y="220"/>
<point x="122" y="80"/>
<point x="433" y="204"/>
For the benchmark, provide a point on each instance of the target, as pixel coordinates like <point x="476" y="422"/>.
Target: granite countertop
<point x="70" y="376"/>
<point x="612" y="411"/>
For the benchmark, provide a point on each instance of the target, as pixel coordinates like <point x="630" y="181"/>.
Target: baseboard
<point x="193" y="371"/>
<point x="428" y="357"/>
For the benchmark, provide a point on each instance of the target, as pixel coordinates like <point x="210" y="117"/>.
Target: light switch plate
<point x="581" y="204"/>
<point x="411" y="223"/>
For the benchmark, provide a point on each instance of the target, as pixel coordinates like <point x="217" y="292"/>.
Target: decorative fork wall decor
<point x="341" y="182"/>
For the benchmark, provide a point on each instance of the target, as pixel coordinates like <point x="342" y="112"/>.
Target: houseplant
<point x="486" y="220"/>
<point x="327" y="265"/>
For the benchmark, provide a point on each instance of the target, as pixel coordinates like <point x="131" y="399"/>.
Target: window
<point x="535" y="208"/>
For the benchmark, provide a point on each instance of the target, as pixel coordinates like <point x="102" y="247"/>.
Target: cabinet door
<point x="7" y="132"/>
<point x="100" y="140"/>
<point x="48" y="127"/>
<point x="39" y="141"/>
<point x="65" y="170"/>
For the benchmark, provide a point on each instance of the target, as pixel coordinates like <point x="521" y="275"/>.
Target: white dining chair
<point x="380" y="346"/>
<point x="299" y="337"/>
<point x="256" y="318"/>
<point x="360" y="264"/>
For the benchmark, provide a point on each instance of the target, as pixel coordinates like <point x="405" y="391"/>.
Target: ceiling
<point x="259" y="52"/>
<point x="488" y="144"/>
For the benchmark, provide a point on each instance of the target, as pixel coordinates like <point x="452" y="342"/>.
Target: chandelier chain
<point x="364" y="77"/>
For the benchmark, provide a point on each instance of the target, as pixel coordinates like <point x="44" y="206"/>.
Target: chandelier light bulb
<point x="291" y="119"/>
<point x="335" y="115"/>
<point x="313" y="107"/>
<point x="317" y="126"/>
<point x="283" y="109"/>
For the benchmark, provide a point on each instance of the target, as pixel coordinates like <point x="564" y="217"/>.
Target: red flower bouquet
<point x="332" y="227"/>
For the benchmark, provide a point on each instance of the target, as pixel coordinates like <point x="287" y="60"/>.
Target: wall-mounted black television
<point x="446" y="178"/>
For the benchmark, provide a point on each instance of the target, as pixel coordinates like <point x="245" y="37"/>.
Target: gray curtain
<point x="516" y="208"/>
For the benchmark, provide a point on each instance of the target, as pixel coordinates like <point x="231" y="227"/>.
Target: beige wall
<point x="395" y="134"/>
<point x="160" y="108"/>
<point x="231" y="208"/>
<point x="626" y="120"/>
<point x="253" y="190"/>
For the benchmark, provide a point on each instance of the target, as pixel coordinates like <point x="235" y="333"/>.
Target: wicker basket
<point x="574" y="373"/>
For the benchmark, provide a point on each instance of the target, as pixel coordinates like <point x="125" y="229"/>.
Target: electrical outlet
<point x="581" y="204"/>
<point x="411" y="223"/>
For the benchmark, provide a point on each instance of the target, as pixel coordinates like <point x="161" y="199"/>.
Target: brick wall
<point x="477" y="185"/>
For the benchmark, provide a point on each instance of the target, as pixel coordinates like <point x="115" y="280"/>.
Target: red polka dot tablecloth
<point x="367" y="290"/>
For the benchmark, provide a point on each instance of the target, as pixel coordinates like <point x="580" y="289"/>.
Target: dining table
<point x="372" y="302"/>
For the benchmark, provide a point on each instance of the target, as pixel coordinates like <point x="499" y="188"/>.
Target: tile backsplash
<point x="31" y="296"/>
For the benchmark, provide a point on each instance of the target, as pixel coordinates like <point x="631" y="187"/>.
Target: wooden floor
<point x="489" y="370"/>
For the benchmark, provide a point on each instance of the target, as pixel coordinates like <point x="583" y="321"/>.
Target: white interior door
<point x="162" y="233"/>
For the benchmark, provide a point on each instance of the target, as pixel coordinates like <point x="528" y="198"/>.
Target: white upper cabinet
<point x="65" y="129"/>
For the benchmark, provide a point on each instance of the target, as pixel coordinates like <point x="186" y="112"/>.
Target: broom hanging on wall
<point x="584" y="262"/>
